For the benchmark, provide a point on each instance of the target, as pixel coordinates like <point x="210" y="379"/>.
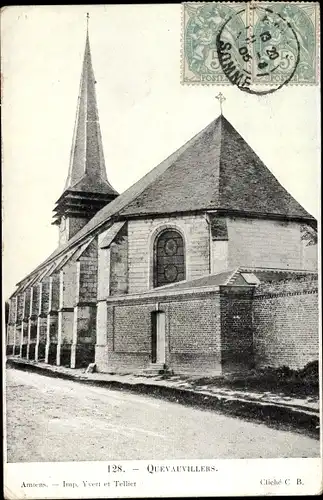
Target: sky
<point x="145" y="113"/>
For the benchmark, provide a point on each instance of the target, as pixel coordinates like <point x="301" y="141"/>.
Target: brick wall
<point x="264" y="243"/>
<point x="192" y="334"/>
<point x="285" y="319"/>
<point x="119" y="263"/>
<point x="127" y="339"/>
<point x="142" y="234"/>
<point x="194" y="342"/>
<point x="236" y="328"/>
<point x="193" y="325"/>
<point x="132" y="326"/>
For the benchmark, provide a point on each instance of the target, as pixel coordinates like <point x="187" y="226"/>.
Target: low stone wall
<point x="285" y="323"/>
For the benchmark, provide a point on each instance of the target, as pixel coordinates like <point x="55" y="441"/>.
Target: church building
<point x="202" y="266"/>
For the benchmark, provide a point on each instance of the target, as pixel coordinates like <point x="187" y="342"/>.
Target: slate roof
<point x="270" y="275"/>
<point x="87" y="167"/>
<point x="220" y="171"/>
<point x="208" y="280"/>
<point x="216" y="169"/>
<point x="236" y="277"/>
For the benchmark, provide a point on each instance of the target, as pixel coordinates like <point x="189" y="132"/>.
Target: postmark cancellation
<point x="252" y="44"/>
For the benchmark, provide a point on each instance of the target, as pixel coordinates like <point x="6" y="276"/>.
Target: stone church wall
<point x="12" y="310"/>
<point x="119" y="264"/>
<point x="54" y="287"/>
<point x="44" y="294"/>
<point x="264" y="243"/>
<point x="68" y="285"/>
<point x="25" y="304"/>
<point x="310" y="257"/>
<point x="21" y="298"/>
<point x="219" y="256"/>
<point x="88" y="280"/>
<point x="11" y="326"/>
<point x="35" y="299"/>
<point x="285" y="321"/>
<point x="141" y="237"/>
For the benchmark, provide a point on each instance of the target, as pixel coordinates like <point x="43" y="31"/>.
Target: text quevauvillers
<point x="152" y="469"/>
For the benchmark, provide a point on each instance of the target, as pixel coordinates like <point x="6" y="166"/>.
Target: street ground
<point x="50" y="419"/>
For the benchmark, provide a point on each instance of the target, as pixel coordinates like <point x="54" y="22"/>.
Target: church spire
<point x="87" y="188"/>
<point x="87" y="159"/>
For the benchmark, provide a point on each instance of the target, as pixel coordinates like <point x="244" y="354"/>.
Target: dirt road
<point x="51" y="420"/>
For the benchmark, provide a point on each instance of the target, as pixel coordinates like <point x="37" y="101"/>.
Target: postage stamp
<point x="294" y="33"/>
<point x="201" y="25"/>
<point x="254" y="44"/>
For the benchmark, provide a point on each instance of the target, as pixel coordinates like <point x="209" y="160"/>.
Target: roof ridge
<point x="275" y="269"/>
<point x="181" y="150"/>
<point x="220" y="157"/>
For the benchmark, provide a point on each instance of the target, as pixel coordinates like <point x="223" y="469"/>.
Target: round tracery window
<point x="170" y="272"/>
<point x="169" y="258"/>
<point x="170" y="247"/>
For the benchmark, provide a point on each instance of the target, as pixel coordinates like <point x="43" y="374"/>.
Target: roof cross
<point x="87" y="21"/>
<point x="221" y="99"/>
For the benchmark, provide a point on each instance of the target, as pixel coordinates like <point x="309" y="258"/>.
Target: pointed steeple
<point x="87" y="188"/>
<point x="87" y="159"/>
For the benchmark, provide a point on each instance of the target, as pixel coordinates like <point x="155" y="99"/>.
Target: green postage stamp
<point x="250" y="44"/>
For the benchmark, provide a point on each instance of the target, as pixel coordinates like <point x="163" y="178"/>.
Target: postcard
<point x="161" y="250"/>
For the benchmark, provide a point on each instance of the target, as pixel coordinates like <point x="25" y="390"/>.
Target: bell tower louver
<point x="87" y="188"/>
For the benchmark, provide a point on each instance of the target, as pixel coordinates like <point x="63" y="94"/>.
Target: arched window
<point x="169" y="258"/>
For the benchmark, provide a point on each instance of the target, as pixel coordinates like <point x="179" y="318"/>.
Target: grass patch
<point x="283" y="380"/>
